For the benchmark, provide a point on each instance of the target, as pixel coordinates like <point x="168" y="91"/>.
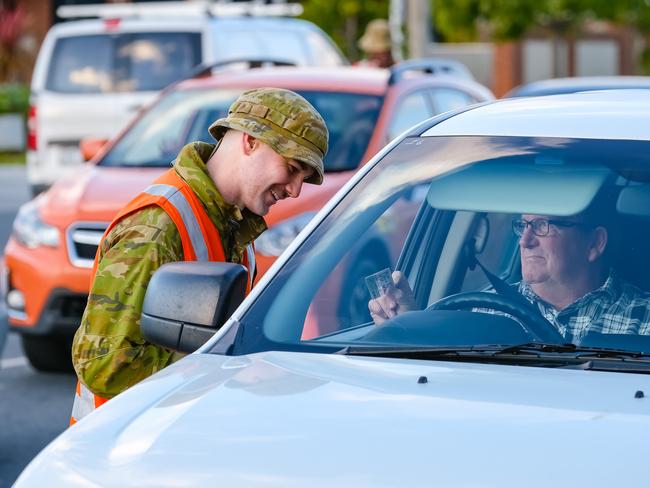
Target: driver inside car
<point x="565" y="274"/>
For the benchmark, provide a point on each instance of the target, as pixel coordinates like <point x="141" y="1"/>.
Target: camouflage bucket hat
<point x="282" y="119"/>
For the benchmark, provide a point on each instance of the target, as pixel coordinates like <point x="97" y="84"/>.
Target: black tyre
<point x="48" y="353"/>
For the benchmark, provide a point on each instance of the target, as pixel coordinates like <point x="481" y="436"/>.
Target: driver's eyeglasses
<point x="540" y="227"/>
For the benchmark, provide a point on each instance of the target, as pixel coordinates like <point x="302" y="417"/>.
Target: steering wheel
<point x="529" y="317"/>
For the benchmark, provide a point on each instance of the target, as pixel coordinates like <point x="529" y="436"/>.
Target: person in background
<point x="376" y="45"/>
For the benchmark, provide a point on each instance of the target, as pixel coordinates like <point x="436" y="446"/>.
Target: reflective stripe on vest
<point x="178" y="200"/>
<point x="84" y="403"/>
<point x="180" y="203"/>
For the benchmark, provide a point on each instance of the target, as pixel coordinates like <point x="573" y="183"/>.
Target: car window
<point x="413" y="108"/>
<point x="244" y="43"/>
<point x="319" y="45"/>
<point x="184" y="116"/>
<point x="122" y="62"/>
<point x="351" y="120"/>
<point x="445" y="99"/>
<point x="177" y="119"/>
<point x="302" y="47"/>
<point x="448" y="231"/>
<point x="289" y="44"/>
<point x="378" y="249"/>
<point x="500" y="256"/>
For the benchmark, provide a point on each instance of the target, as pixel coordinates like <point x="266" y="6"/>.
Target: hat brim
<point x="372" y="46"/>
<point x="284" y="146"/>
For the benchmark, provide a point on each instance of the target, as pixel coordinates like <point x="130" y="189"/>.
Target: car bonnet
<point x="296" y="419"/>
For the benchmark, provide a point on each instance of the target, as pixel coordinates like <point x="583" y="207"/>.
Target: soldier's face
<point x="271" y="178"/>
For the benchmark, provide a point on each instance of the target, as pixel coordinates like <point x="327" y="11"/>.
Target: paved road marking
<point x="16" y="362"/>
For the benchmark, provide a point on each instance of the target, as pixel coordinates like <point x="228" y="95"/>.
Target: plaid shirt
<point x="617" y="307"/>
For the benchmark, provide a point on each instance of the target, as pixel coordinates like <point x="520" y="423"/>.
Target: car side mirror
<point x="90" y="147"/>
<point x="187" y="302"/>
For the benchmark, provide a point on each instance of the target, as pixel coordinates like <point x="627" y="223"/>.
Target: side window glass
<point x="493" y="243"/>
<point x="289" y="44"/>
<point x="414" y="108"/>
<point x="445" y="99"/>
<point x="499" y="253"/>
<point x="244" y="43"/>
<point x="125" y="62"/>
<point x="162" y="145"/>
<point x="342" y="300"/>
<point x="151" y="61"/>
<point x="204" y="119"/>
<point x="81" y="65"/>
<point x="322" y="50"/>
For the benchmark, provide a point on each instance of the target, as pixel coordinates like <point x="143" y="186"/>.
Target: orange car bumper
<point x="54" y="291"/>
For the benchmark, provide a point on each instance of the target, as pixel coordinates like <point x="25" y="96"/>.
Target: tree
<point x="458" y="20"/>
<point x="637" y="14"/>
<point x="12" y="20"/>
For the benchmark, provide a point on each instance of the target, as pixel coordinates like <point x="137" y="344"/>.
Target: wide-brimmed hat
<point x="376" y="38"/>
<point x="282" y="119"/>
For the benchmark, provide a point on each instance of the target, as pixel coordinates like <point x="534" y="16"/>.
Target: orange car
<point x="55" y="236"/>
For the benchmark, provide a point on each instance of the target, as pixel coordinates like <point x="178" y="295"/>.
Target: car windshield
<point x="474" y="225"/>
<point x="122" y="62"/>
<point x="184" y="116"/>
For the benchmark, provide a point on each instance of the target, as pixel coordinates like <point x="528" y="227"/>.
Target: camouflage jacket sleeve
<point x="109" y="353"/>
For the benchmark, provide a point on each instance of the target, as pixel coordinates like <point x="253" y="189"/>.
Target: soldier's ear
<point x="249" y="143"/>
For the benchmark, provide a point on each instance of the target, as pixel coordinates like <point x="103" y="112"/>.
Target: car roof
<point x="340" y="78"/>
<point x="613" y="114"/>
<point x="558" y="86"/>
<point x="113" y="25"/>
<point x="351" y="79"/>
<point x="109" y="26"/>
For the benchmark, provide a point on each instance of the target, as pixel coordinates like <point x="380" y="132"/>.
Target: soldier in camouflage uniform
<point x="271" y="141"/>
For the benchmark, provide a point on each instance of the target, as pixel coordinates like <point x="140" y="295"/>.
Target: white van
<point x="92" y="75"/>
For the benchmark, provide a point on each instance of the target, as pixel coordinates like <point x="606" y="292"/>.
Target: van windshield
<point x="122" y="62"/>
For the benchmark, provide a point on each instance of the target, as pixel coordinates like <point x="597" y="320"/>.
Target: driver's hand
<point x="396" y="301"/>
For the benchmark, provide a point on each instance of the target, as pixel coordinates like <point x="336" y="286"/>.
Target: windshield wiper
<point x="528" y="350"/>
<point x="412" y="352"/>
<point x="574" y="350"/>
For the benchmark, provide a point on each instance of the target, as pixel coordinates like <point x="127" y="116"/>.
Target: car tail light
<point x="111" y="24"/>
<point x="31" y="128"/>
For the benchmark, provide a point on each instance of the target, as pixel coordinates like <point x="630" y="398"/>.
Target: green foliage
<point x="344" y="20"/>
<point x="457" y="20"/>
<point x="12" y="158"/>
<point x="14" y="98"/>
<point x="644" y="62"/>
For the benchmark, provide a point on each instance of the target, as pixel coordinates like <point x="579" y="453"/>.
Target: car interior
<point x="441" y="230"/>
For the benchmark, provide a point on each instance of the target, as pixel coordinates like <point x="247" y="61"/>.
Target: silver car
<point x="487" y="372"/>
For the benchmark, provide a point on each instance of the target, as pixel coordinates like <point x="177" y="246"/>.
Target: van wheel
<point x="48" y="353"/>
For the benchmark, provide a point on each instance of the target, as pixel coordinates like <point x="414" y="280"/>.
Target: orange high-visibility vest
<point x="200" y="239"/>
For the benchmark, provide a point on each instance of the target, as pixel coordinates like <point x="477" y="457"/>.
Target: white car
<point x="471" y="387"/>
<point x="93" y="75"/>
